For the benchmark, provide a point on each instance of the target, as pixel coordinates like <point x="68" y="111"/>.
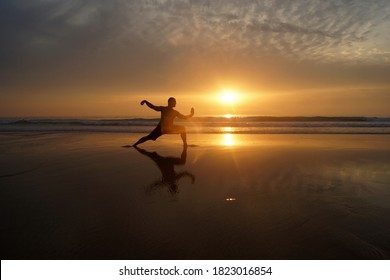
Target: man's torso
<point x="167" y="116"/>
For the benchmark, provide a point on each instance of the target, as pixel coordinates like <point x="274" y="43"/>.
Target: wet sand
<point x="84" y="196"/>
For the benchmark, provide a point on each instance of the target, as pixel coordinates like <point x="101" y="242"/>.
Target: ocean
<point x="205" y="125"/>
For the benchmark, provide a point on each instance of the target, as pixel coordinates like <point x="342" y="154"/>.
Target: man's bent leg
<point x="183" y="135"/>
<point x="184" y="138"/>
<point x="178" y="129"/>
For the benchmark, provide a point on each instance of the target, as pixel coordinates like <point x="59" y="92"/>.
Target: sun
<point x="228" y="97"/>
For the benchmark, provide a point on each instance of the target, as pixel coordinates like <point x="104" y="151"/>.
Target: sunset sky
<point x="277" y="57"/>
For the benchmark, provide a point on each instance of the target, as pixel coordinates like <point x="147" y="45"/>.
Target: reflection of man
<point x="167" y="168"/>
<point x="166" y="126"/>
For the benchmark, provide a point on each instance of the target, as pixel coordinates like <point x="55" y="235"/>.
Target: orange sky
<point x="99" y="58"/>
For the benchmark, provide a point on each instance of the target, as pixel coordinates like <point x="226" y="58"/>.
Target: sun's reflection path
<point x="227" y="137"/>
<point x="228" y="140"/>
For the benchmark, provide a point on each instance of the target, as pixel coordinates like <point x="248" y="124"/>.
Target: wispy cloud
<point x="95" y="49"/>
<point x="322" y="30"/>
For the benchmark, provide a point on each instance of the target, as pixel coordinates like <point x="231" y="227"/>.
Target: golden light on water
<point x="228" y="116"/>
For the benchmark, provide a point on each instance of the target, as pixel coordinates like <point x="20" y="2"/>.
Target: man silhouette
<point x="166" y="126"/>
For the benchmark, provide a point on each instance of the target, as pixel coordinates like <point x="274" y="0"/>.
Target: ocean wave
<point x="234" y="125"/>
<point x="212" y="121"/>
<point x="82" y="122"/>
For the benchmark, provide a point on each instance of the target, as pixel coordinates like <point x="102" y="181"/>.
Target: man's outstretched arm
<point x="150" y="105"/>
<point x="180" y="116"/>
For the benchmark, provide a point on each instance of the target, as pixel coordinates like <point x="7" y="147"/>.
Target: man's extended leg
<point x="152" y="136"/>
<point x="141" y="140"/>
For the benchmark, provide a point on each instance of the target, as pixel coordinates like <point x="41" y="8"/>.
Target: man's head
<point x="171" y="102"/>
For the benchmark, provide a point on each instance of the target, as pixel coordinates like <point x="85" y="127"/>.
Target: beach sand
<point x="84" y="196"/>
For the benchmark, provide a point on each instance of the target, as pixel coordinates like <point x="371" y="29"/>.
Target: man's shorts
<point x="155" y="133"/>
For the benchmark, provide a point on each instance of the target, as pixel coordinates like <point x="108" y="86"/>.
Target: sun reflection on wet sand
<point x="228" y="140"/>
<point x="227" y="137"/>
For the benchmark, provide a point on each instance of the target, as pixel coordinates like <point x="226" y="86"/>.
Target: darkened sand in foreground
<point x="84" y="196"/>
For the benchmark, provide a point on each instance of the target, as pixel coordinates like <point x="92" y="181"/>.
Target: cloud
<point x="150" y="39"/>
<point x="301" y="29"/>
<point x="317" y="30"/>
